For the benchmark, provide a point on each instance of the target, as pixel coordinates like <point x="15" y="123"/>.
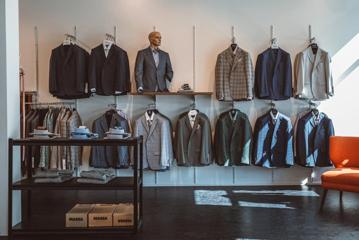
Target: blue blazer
<point x="273" y="76"/>
<point x="312" y="143"/>
<point x="273" y="142"/>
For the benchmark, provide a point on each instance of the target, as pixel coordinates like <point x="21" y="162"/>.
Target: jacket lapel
<point x="277" y="61"/>
<point x="276" y="126"/>
<point x="195" y="125"/>
<point x="237" y="58"/>
<point x="110" y="53"/>
<point x="153" y="126"/>
<point x="229" y="57"/>
<point x="145" y="125"/>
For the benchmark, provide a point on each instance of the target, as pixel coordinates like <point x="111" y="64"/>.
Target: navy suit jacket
<point x="273" y="142"/>
<point x="273" y="77"/>
<point x="312" y="143"/>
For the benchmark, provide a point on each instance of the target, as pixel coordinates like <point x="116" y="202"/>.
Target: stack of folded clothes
<point x="96" y="176"/>
<point x="185" y="88"/>
<point x="52" y="176"/>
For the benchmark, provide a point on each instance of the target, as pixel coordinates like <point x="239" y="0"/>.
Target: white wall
<point x="333" y="23"/>
<point x="9" y="103"/>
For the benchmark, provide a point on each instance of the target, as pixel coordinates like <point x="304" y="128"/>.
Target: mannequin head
<point x="155" y="39"/>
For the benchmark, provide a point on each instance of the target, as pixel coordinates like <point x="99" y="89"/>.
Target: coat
<point x="109" y="156"/>
<point x="150" y="77"/>
<point x="312" y="75"/>
<point x="69" y="72"/>
<point x="193" y="145"/>
<point x="273" y="77"/>
<point x="157" y="142"/>
<point x="312" y="142"/>
<point x="233" y="139"/>
<point x="273" y="141"/>
<point x="109" y="75"/>
<point x="234" y="75"/>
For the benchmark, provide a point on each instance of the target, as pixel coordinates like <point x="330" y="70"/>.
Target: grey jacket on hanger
<point x="193" y="144"/>
<point x="157" y="142"/>
<point x="312" y="74"/>
<point x="150" y="77"/>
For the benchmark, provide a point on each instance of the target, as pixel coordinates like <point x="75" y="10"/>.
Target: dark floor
<point x="231" y="213"/>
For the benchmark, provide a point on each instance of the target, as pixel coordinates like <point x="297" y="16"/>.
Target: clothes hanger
<point x="313" y="45"/>
<point x="274" y="43"/>
<point x="274" y="110"/>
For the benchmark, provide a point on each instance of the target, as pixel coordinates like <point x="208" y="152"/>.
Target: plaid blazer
<point x="234" y="75"/>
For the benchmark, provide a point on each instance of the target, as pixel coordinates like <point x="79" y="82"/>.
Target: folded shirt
<point x="53" y="179"/>
<point x="97" y="174"/>
<point x="95" y="181"/>
<point x="53" y="173"/>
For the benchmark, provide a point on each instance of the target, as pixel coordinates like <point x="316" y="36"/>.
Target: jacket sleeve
<point x="289" y="154"/>
<point x="257" y="148"/>
<point x="52" y="74"/>
<point x="329" y="76"/>
<point x="122" y="82"/>
<point x="139" y="69"/>
<point x="179" y="143"/>
<point x="169" y="70"/>
<point x="166" y="145"/>
<point x="288" y="92"/>
<point x="247" y="143"/>
<point x="220" y="144"/>
<point x="250" y="76"/>
<point x="299" y="75"/>
<point x="82" y="70"/>
<point x="92" y="72"/>
<point x="206" y="149"/>
<point x="219" y="76"/>
<point x="260" y="78"/>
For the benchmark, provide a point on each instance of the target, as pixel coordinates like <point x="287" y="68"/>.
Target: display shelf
<point x="118" y="183"/>
<point x="172" y="93"/>
<point x="75" y="142"/>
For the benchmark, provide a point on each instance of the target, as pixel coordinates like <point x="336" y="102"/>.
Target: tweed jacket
<point x="193" y="144"/>
<point x="313" y="135"/>
<point x="234" y="75"/>
<point x="150" y="77"/>
<point x="273" y="77"/>
<point x="312" y="75"/>
<point x="233" y="139"/>
<point x="109" y="156"/>
<point x="56" y="150"/>
<point x="273" y="141"/>
<point x="73" y="157"/>
<point x="157" y="142"/>
<point x="109" y="75"/>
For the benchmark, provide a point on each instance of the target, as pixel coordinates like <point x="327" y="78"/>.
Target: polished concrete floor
<point x="233" y="213"/>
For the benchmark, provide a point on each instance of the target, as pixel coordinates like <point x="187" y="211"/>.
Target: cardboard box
<point x="123" y="215"/>
<point x="101" y="215"/>
<point x="77" y="216"/>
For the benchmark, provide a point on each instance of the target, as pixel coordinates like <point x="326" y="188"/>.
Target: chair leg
<point x="324" y="195"/>
<point x="341" y="196"/>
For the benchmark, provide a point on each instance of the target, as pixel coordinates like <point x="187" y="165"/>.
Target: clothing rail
<point x="50" y="103"/>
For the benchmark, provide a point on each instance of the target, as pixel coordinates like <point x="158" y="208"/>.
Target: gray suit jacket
<point x="312" y="74"/>
<point x="150" y="77"/>
<point x="234" y="75"/>
<point x="193" y="145"/>
<point x="157" y="147"/>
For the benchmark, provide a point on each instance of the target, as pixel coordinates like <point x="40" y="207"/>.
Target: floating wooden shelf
<point x="172" y="93"/>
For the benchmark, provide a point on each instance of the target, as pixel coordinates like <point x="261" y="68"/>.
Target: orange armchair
<point x="344" y="154"/>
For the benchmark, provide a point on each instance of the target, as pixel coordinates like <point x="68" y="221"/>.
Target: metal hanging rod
<point x="233" y="37"/>
<point x="50" y="103"/>
<point x="273" y="39"/>
<point x="311" y="38"/>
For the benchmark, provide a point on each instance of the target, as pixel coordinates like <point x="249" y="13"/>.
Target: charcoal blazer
<point x="150" y="77"/>
<point x="68" y="74"/>
<point x="233" y="139"/>
<point x="109" y="156"/>
<point x="111" y="74"/>
<point x="193" y="146"/>
<point x="234" y="75"/>
<point x="273" y="142"/>
<point x="157" y="142"/>
<point x="273" y="76"/>
<point x="312" y="142"/>
<point x="312" y="74"/>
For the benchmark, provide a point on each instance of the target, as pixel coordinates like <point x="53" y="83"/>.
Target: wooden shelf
<point x="172" y="93"/>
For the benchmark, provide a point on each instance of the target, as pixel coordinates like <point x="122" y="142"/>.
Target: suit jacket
<point x="273" y="78"/>
<point x="312" y="75"/>
<point x="157" y="142"/>
<point x="233" y="139"/>
<point x="109" y="156"/>
<point x="56" y="150"/>
<point x="111" y="74"/>
<point x="68" y="72"/>
<point x="273" y="142"/>
<point x="313" y="140"/>
<point x="234" y="75"/>
<point x="193" y="145"/>
<point x="74" y="155"/>
<point x="150" y="77"/>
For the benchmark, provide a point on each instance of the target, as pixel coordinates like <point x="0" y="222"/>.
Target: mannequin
<point x="153" y="67"/>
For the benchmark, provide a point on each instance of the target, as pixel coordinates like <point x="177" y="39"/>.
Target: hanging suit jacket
<point x="313" y="135"/>
<point x="157" y="142"/>
<point x="273" y="142"/>
<point x="233" y="139"/>
<point x="109" y="156"/>
<point x="109" y="75"/>
<point x="150" y="77"/>
<point x="56" y="150"/>
<point x="234" y="75"/>
<point x="312" y="75"/>
<point x="74" y="152"/>
<point x="193" y="145"/>
<point x="273" y="78"/>
<point x="68" y="72"/>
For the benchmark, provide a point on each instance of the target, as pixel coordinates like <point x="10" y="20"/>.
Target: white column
<point x="9" y="103"/>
